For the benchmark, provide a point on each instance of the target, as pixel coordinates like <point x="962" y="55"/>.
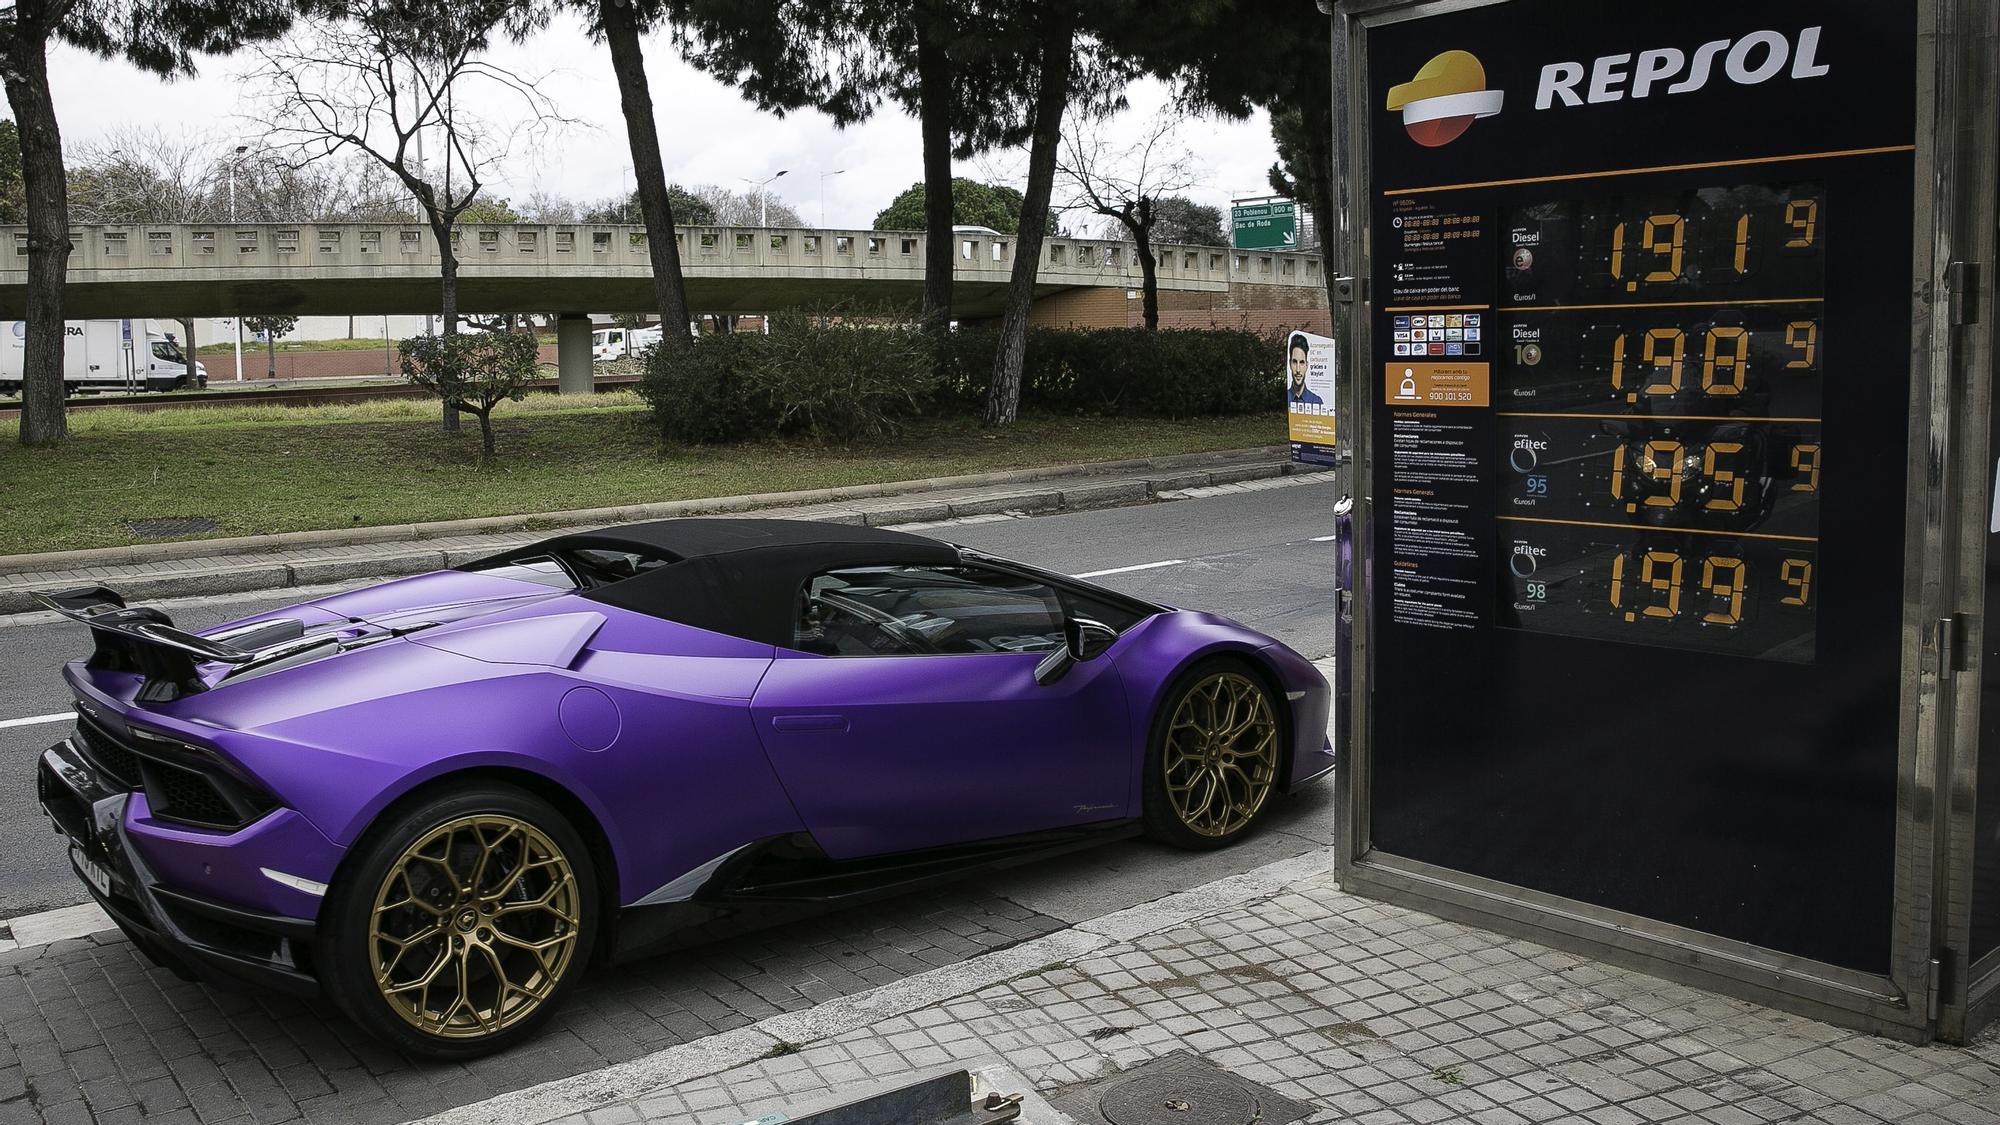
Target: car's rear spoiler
<point x="143" y="640"/>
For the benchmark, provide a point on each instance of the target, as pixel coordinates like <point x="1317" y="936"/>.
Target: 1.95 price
<point x="1659" y="585"/>
<point x="1667" y="474"/>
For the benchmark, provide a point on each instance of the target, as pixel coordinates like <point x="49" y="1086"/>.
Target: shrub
<point x="1173" y="373"/>
<point x="473" y="371"/>
<point x="706" y="394"/>
<point x="835" y="376"/>
<point x="844" y="378"/>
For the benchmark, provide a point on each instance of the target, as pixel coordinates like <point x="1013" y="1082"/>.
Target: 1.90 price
<point x="1661" y="585"/>
<point x="1715" y="359"/>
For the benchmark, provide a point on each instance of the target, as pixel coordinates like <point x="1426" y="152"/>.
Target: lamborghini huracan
<point x="438" y="800"/>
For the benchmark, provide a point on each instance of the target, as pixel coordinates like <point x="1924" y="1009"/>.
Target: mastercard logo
<point x="1442" y="101"/>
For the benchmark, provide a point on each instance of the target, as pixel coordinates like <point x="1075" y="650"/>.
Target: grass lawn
<point x="264" y="469"/>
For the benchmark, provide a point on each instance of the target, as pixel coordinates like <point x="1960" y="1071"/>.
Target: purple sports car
<point x="437" y="800"/>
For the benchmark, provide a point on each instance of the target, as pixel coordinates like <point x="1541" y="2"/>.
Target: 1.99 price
<point x="1660" y="585"/>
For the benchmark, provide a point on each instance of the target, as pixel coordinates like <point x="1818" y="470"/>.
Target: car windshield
<point x="169" y="351"/>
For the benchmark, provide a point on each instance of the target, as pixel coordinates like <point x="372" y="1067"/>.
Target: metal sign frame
<point x="1925" y="992"/>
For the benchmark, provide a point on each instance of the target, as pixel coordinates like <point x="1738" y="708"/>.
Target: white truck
<point x="607" y="344"/>
<point x="104" y="355"/>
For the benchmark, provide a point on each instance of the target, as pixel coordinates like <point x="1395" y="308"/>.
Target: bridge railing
<point x="591" y="247"/>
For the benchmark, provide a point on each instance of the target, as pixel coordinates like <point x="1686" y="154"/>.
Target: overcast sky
<point x="708" y="133"/>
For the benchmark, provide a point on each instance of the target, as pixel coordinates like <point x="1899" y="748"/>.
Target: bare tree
<point x="1127" y="185"/>
<point x="141" y="175"/>
<point x="383" y="78"/>
<point x="135" y="175"/>
<point x="384" y="83"/>
<point x="734" y="208"/>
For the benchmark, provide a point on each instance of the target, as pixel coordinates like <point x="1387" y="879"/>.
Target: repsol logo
<point x="1757" y="57"/>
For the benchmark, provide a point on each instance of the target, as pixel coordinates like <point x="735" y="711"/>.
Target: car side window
<point x="926" y="610"/>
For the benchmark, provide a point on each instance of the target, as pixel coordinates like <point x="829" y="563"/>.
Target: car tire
<point x="1213" y="756"/>
<point x="429" y="949"/>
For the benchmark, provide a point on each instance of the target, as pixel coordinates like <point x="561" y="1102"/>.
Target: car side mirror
<point x="1083" y="639"/>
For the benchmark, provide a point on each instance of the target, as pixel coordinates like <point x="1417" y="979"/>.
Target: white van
<point x="104" y="354"/>
<point x="607" y="344"/>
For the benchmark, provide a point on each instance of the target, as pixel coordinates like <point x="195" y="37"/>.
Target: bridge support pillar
<point x="573" y="354"/>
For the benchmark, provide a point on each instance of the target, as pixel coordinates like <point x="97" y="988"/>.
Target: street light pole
<point x="763" y="197"/>
<point x="822" y="194"/>
<point x="233" y="166"/>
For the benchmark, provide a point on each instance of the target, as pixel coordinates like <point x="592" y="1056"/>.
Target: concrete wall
<point x="1258" y="308"/>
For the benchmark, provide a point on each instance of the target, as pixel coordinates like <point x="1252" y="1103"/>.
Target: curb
<point x="402" y="557"/>
<point x="46" y="561"/>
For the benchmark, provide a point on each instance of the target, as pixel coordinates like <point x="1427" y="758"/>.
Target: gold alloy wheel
<point x="474" y="926"/>
<point x="1221" y="755"/>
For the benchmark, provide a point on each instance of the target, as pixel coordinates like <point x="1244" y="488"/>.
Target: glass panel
<point x="926" y="611"/>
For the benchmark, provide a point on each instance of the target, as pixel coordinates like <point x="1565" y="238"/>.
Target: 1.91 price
<point x="1658" y="249"/>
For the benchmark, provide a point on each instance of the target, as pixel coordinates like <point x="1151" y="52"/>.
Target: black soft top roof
<point x="738" y="576"/>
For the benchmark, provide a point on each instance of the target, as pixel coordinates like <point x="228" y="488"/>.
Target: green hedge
<point x="1173" y="373"/>
<point x="842" y="380"/>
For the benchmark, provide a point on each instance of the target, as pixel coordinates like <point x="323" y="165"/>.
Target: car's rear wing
<point x="143" y="640"/>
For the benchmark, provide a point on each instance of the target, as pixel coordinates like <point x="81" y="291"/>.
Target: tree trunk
<point x="1316" y="116"/>
<point x="27" y="78"/>
<point x="621" y="34"/>
<point x="187" y="350"/>
<point x="486" y="437"/>
<point x="1003" y="397"/>
<point x="270" y="355"/>
<point x="934" y="79"/>
<point x="1149" y="277"/>
<point x="448" y="304"/>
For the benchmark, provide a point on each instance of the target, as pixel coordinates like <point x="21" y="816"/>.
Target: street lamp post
<point x="822" y="194"/>
<point x="233" y="166"/>
<point x="763" y="198"/>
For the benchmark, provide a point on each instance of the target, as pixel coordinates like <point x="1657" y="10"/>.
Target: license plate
<point x="95" y="873"/>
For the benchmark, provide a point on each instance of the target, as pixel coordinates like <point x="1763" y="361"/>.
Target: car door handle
<point x="795" y="723"/>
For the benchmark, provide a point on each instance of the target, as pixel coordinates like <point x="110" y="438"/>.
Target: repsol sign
<point x="1747" y="61"/>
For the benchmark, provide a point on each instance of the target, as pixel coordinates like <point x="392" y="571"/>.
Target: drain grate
<point x="173" y="526"/>
<point x="1181" y="1088"/>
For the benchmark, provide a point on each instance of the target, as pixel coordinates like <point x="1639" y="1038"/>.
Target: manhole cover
<point x="1183" y="1099"/>
<point x="1178" y="1088"/>
<point x="173" y="526"/>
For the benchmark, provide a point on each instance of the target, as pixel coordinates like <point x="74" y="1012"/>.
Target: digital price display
<point x="1661" y="423"/>
<point x="1636" y="328"/>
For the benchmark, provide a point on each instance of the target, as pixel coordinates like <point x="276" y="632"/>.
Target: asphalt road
<point x="1254" y="556"/>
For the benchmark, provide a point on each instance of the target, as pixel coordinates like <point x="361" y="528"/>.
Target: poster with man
<point x="1310" y="376"/>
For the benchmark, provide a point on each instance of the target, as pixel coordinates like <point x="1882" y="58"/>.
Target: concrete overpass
<point x="250" y="269"/>
<point x="572" y="269"/>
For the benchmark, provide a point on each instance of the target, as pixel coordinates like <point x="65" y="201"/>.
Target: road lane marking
<point x="50" y="926"/>
<point x="1130" y="569"/>
<point x="32" y="720"/>
<point x="1323" y="538"/>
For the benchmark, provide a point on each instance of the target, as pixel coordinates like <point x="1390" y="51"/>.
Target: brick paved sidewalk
<point x="1374" y="1014"/>
<point x="172" y="570"/>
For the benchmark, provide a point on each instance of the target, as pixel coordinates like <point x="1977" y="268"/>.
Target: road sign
<point x="1264" y="226"/>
